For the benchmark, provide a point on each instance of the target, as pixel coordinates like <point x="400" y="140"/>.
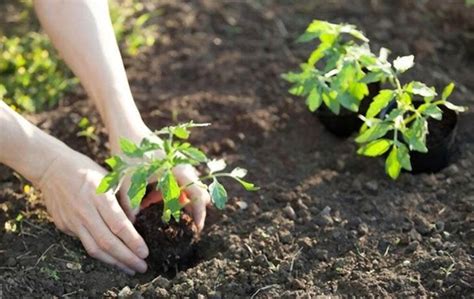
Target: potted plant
<point x="333" y="75"/>
<point x="410" y="122"/>
<point x="165" y="226"/>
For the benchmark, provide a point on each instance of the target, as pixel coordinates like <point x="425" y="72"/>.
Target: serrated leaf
<point x="146" y="145"/>
<point x="129" y="148"/>
<point x="376" y="131"/>
<point x="372" y="77"/>
<point x="380" y="101"/>
<point x="247" y="185"/>
<point x="108" y="182"/>
<point x="348" y="101"/>
<point x="115" y="162"/>
<point x="169" y="186"/>
<point x="218" y="194"/>
<point x="403" y="156"/>
<point x="173" y="209"/>
<point x="137" y="189"/>
<point x="453" y="107"/>
<point x="431" y="110"/>
<point x="420" y="89"/>
<point x="181" y="132"/>
<point x="358" y="90"/>
<point x="375" y="148"/>
<point x="415" y="135"/>
<point x="216" y="165"/>
<point x="447" y="91"/>
<point x="331" y="103"/>
<point x="314" y="100"/>
<point x="392" y="165"/>
<point x="238" y="172"/>
<point x="404" y="63"/>
<point x="195" y="154"/>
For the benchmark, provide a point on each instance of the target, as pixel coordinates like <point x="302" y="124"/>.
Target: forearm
<point x="24" y="147"/>
<point x="82" y="32"/>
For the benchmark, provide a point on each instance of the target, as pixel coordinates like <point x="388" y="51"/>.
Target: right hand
<point x="69" y="188"/>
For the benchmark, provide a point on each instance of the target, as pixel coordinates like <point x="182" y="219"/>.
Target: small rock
<point x="161" y="293"/>
<point x="372" y="186"/>
<point x="228" y="144"/>
<point x="363" y="229"/>
<point x="125" y="292"/>
<point x="412" y="247"/>
<point x="285" y="237"/>
<point x="414" y="235"/>
<point x="289" y="212"/>
<point x="201" y="296"/>
<point x="437" y="243"/>
<point x="422" y="225"/>
<point x="356" y="184"/>
<point x="324" y="217"/>
<point x="161" y="282"/>
<point x="452" y="170"/>
<point x="298" y="284"/>
<point x="242" y="204"/>
<point x="321" y="254"/>
<point x="439" y="225"/>
<point x="301" y="205"/>
<point x="214" y="295"/>
<point x="11" y="261"/>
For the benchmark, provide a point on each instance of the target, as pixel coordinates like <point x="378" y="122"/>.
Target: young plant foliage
<point x="142" y="163"/>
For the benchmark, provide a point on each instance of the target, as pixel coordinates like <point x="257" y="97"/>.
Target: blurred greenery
<point x="32" y="77"/>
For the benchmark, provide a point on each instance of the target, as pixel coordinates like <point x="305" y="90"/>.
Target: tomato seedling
<point x="334" y="71"/>
<point x="405" y="127"/>
<point x="141" y="162"/>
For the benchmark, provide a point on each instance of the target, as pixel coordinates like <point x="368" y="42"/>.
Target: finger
<point x="94" y="251"/>
<point x="111" y="244"/>
<point x="151" y="198"/>
<point x="125" y="201"/>
<point x="121" y="226"/>
<point x="200" y="198"/>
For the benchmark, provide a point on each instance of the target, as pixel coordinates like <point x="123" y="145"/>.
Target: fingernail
<point x="142" y="252"/>
<point x="141" y="267"/>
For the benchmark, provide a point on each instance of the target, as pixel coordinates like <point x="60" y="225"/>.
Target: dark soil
<point x="172" y="246"/>
<point x="326" y="221"/>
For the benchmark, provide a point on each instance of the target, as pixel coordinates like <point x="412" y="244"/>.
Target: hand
<point x="185" y="174"/>
<point x="69" y="188"/>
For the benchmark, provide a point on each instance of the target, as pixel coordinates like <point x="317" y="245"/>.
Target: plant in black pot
<point x="167" y="229"/>
<point x="334" y="75"/>
<point x="411" y="123"/>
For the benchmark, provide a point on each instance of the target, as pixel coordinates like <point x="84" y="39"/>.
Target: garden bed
<point x="325" y="221"/>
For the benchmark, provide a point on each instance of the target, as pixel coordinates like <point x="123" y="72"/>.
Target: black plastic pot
<point x="439" y="141"/>
<point x="346" y="122"/>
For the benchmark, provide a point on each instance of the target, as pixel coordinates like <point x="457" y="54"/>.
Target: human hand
<point x="185" y="174"/>
<point x="69" y="188"/>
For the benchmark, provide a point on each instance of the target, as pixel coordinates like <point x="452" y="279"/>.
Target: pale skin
<point x="82" y="33"/>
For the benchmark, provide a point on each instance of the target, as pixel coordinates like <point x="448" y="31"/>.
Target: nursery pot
<point x="346" y="122"/>
<point x="439" y="141"/>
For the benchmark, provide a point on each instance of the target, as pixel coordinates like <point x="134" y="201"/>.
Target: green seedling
<point x="404" y="128"/>
<point x="142" y="164"/>
<point x="334" y="71"/>
<point x="87" y="130"/>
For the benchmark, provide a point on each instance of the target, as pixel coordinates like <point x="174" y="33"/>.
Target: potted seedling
<point x="167" y="229"/>
<point x="333" y="75"/>
<point x="410" y="122"/>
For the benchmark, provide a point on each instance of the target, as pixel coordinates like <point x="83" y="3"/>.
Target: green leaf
<point x="169" y="187"/>
<point x="380" y="101"/>
<point x="173" y="208"/>
<point x="402" y="64"/>
<point x="138" y="185"/>
<point x="392" y="165"/>
<point x="415" y="136"/>
<point x="331" y="102"/>
<point x="129" y="148"/>
<point x="181" y="132"/>
<point x="403" y="157"/>
<point x="115" y="162"/>
<point x="376" y="131"/>
<point x="420" y="89"/>
<point x="218" y="194"/>
<point x="375" y="148"/>
<point x="314" y="100"/>
<point x="372" y="77"/>
<point x="447" y="91"/>
<point x="195" y="154"/>
<point x="108" y="182"/>
<point x="146" y="145"/>
<point x="348" y="101"/>
<point x="453" y="107"/>
<point x="247" y="185"/>
<point x="359" y="90"/>
<point x="431" y="110"/>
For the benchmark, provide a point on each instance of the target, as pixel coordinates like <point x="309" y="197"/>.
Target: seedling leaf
<point x="376" y="131"/>
<point x="402" y="64"/>
<point x="392" y="165"/>
<point x="218" y="194"/>
<point x="138" y="186"/>
<point x="380" y="101"/>
<point x="216" y="165"/>
<point x="129" y="148"/>
<point x="375" y="148"/>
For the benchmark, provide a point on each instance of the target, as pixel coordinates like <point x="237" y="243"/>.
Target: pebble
<point x="412" y="247"/>
<point x="363" y="229"/>
<point x="201" y="296"/>
<point x="452" y="170"/>
<point x="324" y="217"/>
<point x="242" y="204"/>
<point x="301" y="204"/>
<point x="422" y="225"/>
<point x="161" y="282"/>
<point x="289" y="212"/>
<point x="372" y="186"/>
<point x="439" y="225"/>
<point x="285" y="237"/>
<point x="437" y="243"/>
<point x="214" y="295"/>
<point x="321" y="254"/>
<point x="161" y="293"/>
<point x="11" y="261"/>
<point x="298" y="284"/>
<point x="125" y="292"/>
